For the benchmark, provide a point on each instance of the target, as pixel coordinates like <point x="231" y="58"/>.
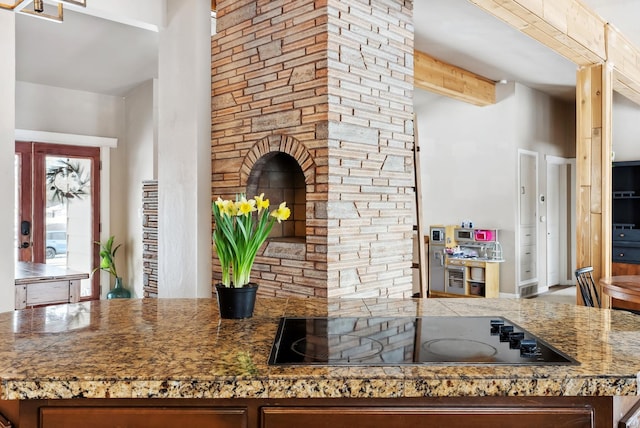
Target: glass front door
<point x="57" y="218"/>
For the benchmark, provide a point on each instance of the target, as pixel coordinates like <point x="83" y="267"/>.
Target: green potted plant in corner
<point x="241" y="227"/>
<point x="108" y="264"/>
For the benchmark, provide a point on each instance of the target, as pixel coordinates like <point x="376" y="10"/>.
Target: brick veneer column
<point x="330" y="83"/>
<point x="370" y="63"/>
<point x="150" y="238"/>
<point x="268" y="81"/>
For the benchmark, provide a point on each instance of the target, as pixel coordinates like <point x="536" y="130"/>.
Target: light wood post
<point x="594" y="95"/>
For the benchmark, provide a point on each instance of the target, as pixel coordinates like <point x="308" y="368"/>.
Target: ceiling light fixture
<point x="39" y="8"/>
<point x="82" y="3"/>
<point x="39" y="11"/>
<point x="10" y="6"/>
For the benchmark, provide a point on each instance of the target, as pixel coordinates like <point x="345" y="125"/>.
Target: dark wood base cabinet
<point x="410" y="417"/>
<point x="142" y="417"/>
<point x="472" y="412"/>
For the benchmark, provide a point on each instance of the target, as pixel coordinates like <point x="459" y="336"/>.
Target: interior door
<point x="555" y="254"/>
<point x="58" y="199"/>
<point x="560" y="220"/>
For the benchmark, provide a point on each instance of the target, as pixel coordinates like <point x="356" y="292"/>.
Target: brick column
<point x="329" y="83"/>
<point x="370" y="62"/>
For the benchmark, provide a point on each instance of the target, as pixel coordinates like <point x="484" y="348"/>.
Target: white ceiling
<point x="84" y="52"/>
<point x="97" y="55"/>
<point x="460" y="33"/>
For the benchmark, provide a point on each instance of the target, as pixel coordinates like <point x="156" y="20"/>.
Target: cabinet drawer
<point x="47" y="292"/>
<point x="528" y="270"/>
<point x="527" y="235"/>
<point x="141" y="417"/>
<point x="626" y="235"/>
<point x="397" y="417"/>
<point x="625" y="254"/>
<point x="527" y="253"/>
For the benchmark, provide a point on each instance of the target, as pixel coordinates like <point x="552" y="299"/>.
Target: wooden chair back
<point x="587" y="287"/>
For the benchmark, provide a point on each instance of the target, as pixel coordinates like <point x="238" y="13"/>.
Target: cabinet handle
<point x="621" y="235"/>
<point x="621" y="255"/>
<point x="4" y="423"/>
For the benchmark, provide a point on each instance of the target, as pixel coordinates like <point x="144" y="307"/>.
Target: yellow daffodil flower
<point x="226" y="207"/>
<point x="282" y="212"/>
<point x="261" y="203"/>
<point x="246" y="207"/>
<point x="238" y="234"/>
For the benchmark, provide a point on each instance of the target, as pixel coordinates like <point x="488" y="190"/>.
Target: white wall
<point x="469" y="158"/>
<point x="183" y="157"/>
<point x="184" y="151"/>
<point x="132" y="121"/>
<point x="7" y="154"/>
<point x="45" y="108"/>
<point x="547" y="126"/>
<point x="626" y="133"/>
<point x="131" y="163"/>
<point x="147" y="14"/>
<point x="468" y="162"/>
<point x="76" y="117"/>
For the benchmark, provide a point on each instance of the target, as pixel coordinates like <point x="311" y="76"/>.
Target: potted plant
<point x="108" y="264"/>
<point x="241" y="227"/>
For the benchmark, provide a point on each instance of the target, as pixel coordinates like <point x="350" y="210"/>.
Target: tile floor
<point x="559" y="294"/>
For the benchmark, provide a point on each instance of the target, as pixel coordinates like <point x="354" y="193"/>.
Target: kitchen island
<point x="61" y="364"/>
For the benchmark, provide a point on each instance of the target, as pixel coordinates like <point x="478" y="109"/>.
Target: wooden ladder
<point x="418" y="227"/>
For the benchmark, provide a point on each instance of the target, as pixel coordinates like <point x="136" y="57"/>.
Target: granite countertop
<point x="180" y="348"/>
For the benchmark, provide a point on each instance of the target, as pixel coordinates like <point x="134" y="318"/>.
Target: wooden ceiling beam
<point x="624" y="57"/>
<point x="566" y="26"/>
<point x="445" y="79"/>
<point x="574" y="31"/>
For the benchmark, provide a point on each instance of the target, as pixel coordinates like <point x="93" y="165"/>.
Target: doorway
<point x="560" y="219"/>
<point x="527" y="233"/>
<point x="58" y="208"/>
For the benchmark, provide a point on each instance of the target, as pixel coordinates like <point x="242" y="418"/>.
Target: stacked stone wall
<point x="328" y="82"/>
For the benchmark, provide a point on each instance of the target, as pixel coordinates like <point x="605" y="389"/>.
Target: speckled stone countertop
<point x="180" y="348"/>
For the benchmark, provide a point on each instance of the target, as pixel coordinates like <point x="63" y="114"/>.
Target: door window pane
<point x="68" y="215"/>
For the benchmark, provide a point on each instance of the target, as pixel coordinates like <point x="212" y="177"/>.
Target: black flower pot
<point x="236" y="303"/>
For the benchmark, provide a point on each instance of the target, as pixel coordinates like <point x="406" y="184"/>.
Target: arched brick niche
<point x="279" y="144"/>
<point x="279" y="177"/>
<point x="282" y="169"/>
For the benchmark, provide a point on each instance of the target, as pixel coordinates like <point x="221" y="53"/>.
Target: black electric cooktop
<point x="409" y="340"/>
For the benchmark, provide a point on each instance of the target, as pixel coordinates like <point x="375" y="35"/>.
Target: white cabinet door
<point x="528" y="216"/>
<point x="528" y="189"/>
